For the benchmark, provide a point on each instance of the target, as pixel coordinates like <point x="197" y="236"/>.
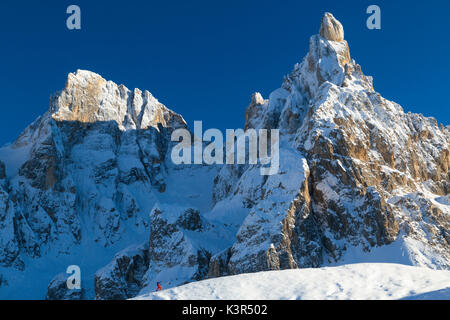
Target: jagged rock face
<point x="218" y="265"/>
<point x="264" y="241"/>
<point x="57" y="289"/>
<point x="364" y="153"/>
<point x="179" y="249"/>
<point x="3" y="282"/>
<point x="9" y="247"/>
<point x="85" y="176"/>
<point x="123" y="278"/>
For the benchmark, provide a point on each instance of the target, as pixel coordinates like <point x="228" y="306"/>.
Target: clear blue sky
<point x="204" y="58"/>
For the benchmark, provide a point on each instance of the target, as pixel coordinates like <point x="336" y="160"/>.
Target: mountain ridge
<point x="357" y="175"/>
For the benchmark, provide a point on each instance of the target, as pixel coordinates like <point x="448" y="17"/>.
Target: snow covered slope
<point x="367" y="281"/>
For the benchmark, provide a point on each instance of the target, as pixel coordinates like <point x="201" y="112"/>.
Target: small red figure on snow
<point x="158" y="288"/>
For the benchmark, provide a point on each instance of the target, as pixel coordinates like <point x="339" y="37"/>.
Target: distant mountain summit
<point x="91" y="183"/>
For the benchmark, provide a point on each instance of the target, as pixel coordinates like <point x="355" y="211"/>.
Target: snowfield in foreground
<point x="357" y="281"/>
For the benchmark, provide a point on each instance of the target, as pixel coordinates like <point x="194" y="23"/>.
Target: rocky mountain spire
<point x="331" y="29"/>
<point x="357" y="174"/>
<point x="369" y="169"/>
<point x="328" y="61"/>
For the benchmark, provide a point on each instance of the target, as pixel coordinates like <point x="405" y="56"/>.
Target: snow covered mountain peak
<point x="88" y="98"/>
<point x="327" y="66"/>
<point x="359" y="180"/>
